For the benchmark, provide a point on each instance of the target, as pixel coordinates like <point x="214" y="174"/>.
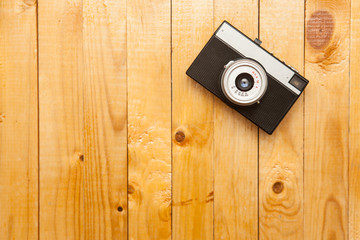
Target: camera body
<point x="247" y="77"/>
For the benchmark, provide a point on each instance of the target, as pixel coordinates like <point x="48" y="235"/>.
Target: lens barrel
<point x="244" y="82"/>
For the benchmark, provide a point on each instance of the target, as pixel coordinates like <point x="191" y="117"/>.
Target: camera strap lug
<point x="258" y="41"/>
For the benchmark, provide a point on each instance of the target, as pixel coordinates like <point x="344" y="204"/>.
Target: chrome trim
<point x="246" y="47"/>
<point x="232" y="70"/>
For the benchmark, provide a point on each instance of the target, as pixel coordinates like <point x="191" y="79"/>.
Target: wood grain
<point x="354" y="154"/>
<point x="192" y="116"/>
<point x="149" y="119"/>
<point x="18" y="121"/>
<point x="235" y="145"/>
<point x="281" y="154"/>
<point x="105" y="119"/>
<point x="326" y="119"/>
<point x="83" y="161"/>
<point x="61" y="119"/>
<point x="103" y="136"/>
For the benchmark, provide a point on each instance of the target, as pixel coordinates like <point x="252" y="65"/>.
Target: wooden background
<point x="102" y="135"/>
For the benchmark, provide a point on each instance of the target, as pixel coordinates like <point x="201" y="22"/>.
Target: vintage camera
<point x="247" y="77"/>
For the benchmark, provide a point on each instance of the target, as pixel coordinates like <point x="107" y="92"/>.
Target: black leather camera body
<point x="247" y="77"/>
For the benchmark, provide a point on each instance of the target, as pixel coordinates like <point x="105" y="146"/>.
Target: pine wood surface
<point x="18" y="121"/>
<point x="326" y="120"/>
<point x="234" y="165"/>
<point x="281" y="154"/>
<point x="103" y="136"/>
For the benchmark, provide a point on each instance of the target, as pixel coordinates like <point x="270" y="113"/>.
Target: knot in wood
<point x="2" y="117"/>
<point x="320" y="28"/>
<point x="131" y="189"/>
<point x="278" y="187"/>
<point x="180" y="136"/>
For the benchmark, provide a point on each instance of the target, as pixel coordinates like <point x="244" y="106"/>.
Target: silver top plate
<point x="240" y="43"/>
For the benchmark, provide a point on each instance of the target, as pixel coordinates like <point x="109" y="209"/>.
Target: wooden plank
<point x="105" y="123"/>
<point x="192" y="125"/>
<point x="326" y="119"/>
<point x="354" y="157"/>
<point x="235" y="146"/>
<point x="149" y="119"/>
<point x="281" y="154"/>
<point x="61" y="119"/>
<point x="18" y="120"/>
<point x="83" y="139"/>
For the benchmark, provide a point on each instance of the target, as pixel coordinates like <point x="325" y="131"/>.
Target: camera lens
<point x="244" y="82"/>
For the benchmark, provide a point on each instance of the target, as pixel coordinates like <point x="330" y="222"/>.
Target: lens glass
<point x="244" y="82"/>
